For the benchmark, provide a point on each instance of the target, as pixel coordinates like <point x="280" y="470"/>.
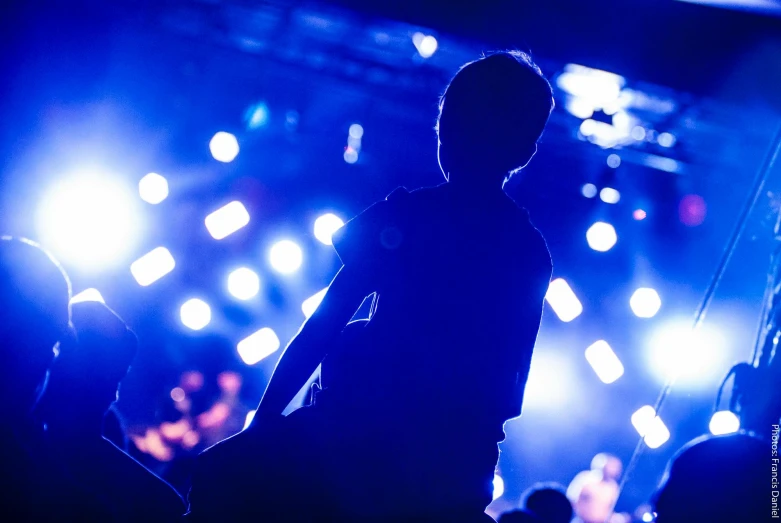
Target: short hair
<point x="498" y="101"/>
<point x="549" y="502"/>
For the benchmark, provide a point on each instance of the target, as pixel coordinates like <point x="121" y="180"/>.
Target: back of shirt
<point x="459" y="284"/>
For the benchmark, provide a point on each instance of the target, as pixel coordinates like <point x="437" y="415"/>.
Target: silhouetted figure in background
<point x="83" y="385"/>
<point x="721" y="479"/>
<point x="519" y="516"/>
<point x="548" y="502"/>
<point x="594" y="492"/>
<point x="414" y="400"/>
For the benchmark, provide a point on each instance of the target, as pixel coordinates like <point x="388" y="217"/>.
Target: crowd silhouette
<point x="411" y="404"/>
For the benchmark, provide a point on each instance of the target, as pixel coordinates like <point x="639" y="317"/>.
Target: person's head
<point x="519" y="516"/>
<point x="34" y="318"/>
<point x="490" y="118"/>
<point x="610" y="466"/>
<point x="717" y="479"/>
<point x="548" y="502"/>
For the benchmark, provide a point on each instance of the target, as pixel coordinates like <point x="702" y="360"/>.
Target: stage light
<point x="638" y="133"/>
<point x="666" y="139"/>
<point x="609" y="195"/>
<point x="650" y="427"/>
<point x="579" y="107"/>
<point x="692" y="210"/>
<point x="639" y="214"/>
<point x="152" y="266"/>
<point x="601" y="237"/>
<point x="563" y="301"/>
<point x="425" y="44"/>
<point x="604" y="362"/>
<point x="177" y="394"/>
<point x="614" y="161"/>
<point x="600" y="88"/>
<point x="325" y="226"/>
<point x="243" y="283"/>
<point x="310" y="305"/>
<point x="226" y="220"/>
<point x="286" y="257"/>
<point x="248" y="419"/>
<point x="153" y="188"/>
<point x="195" y="314"/>
<point x="724" y="422"/>
<point x="91" y="220"/>
<point x="257" y="346"/>
<point x="224" y="147"/>
<point x="356" y="131"/>
<point x="645" y="302"/>
<point x="589" y="190"/>
<point x="88" y="295"/>
<point x="350" y="155"/>
<point x="694" y="358"/>
<point x="257" y="116"/>
<point x="498" y="486"/>
<point x="647" y="517"/>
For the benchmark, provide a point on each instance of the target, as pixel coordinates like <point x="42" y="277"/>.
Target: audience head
<point x="490" y="118"/>
<point x="519" y="516"/>
<point x="548" y="502"/>
<point x="717" y="479"/>
<point x="34" y="318"/>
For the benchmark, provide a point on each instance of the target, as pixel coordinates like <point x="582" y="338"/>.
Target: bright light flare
<point x="563" y="301"/>
<point x="224" y="147"/>
<point x="425" y="44"/>
<point x="325" y="227"/>
<point x="248" y="419"/>
<point x="258" y="345"/>
<point x="604" y="362"/>
<point x="310" y="305"/>
<point x="90" y="220"/>
<point x="693" y="358"/>
<point x="498" y="486"/>
<point x="152" y="266"/>
<point x="609" y="195"/>
<point x="724" y="422"/>
<point x="645" y="302"/>
<point x="243" y="283"/>
<point x="153" y="188"/>
<point x="601" y="237"/>
<point x="650" y="427"/>
<point x="195" y="314"/>
<point x="286" y="257"/>
<point x="226" y="220"/>
<point x="88" y="295"/>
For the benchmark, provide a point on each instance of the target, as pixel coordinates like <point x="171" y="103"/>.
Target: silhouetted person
<point x="548" y="502"/>
<point x="415" y="399"/>
<point x="34" y="318"/>
<point x="83" y="385"/>
<point x="594" y="492"/>
<point x="720" y="479"/>
<point x="519" y="516"/>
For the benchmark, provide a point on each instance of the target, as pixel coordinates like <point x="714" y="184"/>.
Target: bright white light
<point x="195" y="314"/>
<point x="604" y="361"/>
<point x="153" y="188"/>
<point x="563" y="301"/>
<point x="257" y="116"/>
<point x="325" y="227"/>
<point x="90" y="220"/>
<point x="599" y="88"/>
<point x="579" y="107"/>
<point x="645" y="302"/>
<point x="647" y="517"/>
<point x="224" y="147"/>
<point x="614" y="161"/>
<point x="257" y="346"/>
<point x="350" y="155"/>
<point x="152" y="266"/>
<point x="356" y="131"/>
<point x="552" y="383"/>
<point x="609" y="195"/>
<point x="248" y="419"/>
<point x="695" y="358"/>
<point x="666" y="139"/>
<point x="601" y="236"/>
<point x="243" y="283"/>
<point x="498" y="484"/>
<point x="603" y="134"/>
<point x="638" y="133"/>
<point x="310" y="305"/>
<point x="88" y="295"/>
<point x="286" y="257"/>
<point x="425" y="44"/>
<point x="226" y="220"/>
<point x="724" y="422"/>
<point x="650" y="427"/>
<point x="589" y="190"/>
